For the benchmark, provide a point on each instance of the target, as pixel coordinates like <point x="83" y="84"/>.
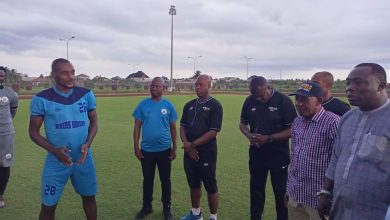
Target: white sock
<point x="213" y="216"/>
<point x="195" y="211"/>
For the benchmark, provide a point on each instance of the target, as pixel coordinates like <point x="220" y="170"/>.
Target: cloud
<point x="292" y="37"/>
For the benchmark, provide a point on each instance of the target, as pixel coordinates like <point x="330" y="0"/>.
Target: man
<point x="199" y="125"/>
<point x="269" y="115"/>
<point x="70" y="123"/>
<point x="330" y="103"/>
<point x="8" y="107"/>
<point x="312" y="138"/>
<point x="358" y="176"/>
<point x="156" y="117"/>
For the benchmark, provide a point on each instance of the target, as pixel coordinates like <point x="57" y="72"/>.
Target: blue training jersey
<point x="65" y="117"/>
<point x="156" y="118"/>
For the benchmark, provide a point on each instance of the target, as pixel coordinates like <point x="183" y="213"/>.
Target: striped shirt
<point x="311" y="148"/>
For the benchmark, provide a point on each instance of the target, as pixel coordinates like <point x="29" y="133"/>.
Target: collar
<point x="377" y="109"/>
<point x="327" y="101"/>
<point x="317" y="115"/>
<point x="202" y="102"/>
<point x="63" y="93"/>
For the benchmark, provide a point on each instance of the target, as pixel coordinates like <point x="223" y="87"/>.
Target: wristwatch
<point x="323" y="191"/>
<point x="270" y="139"/>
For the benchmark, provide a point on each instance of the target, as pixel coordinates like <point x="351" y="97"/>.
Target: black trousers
<point x="258" y="180"/>
<point x="149" y="163"/>
<point x="4" y="176"/>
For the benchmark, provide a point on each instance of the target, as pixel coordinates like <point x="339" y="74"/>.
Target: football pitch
<point x="119" y="172"/>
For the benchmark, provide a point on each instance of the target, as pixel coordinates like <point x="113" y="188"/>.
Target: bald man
<point x="200" y="123"/>
<point x="330" y="103"/>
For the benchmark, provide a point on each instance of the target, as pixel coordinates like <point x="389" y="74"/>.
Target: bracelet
<point x="323" y="191"/>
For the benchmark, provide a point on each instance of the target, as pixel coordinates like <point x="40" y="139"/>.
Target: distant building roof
<point x="138" y="74"/>
<point x="28" y="78"/>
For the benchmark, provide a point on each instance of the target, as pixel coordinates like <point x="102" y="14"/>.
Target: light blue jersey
<point x="65" y="117"/>
<point x="66" y="125"/>
<point x="156" y="118"/>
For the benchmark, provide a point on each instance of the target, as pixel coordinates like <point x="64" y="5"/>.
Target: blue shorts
<point x="55" y="175"/>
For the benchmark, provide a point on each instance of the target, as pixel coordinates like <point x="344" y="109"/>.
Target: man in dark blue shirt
<point x="200" y="123"/>
<point x="330" y="103"/>
<point x="266" y="119"/>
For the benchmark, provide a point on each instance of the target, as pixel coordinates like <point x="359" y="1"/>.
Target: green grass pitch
<point x="119" y="172"/>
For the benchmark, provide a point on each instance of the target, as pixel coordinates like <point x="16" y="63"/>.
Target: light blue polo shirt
<point x="156" y="118"/>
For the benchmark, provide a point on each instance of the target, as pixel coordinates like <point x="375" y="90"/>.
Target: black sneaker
<point x="143" y="212"/>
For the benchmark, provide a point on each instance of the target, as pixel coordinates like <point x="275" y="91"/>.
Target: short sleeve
<point x="173" y="115"/>
<point x="184" y="120"/>
<point x="37" y="107"/>
<point x="137" y="114"/>
<point x="244" y="111"/>
<point x="91" y="101"/>
<point x="14" y="101"/>
<point x="216" y="117"/>
<point x="288" y="111"/>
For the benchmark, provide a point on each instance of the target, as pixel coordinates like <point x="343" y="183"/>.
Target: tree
<point x="196" y="74"/>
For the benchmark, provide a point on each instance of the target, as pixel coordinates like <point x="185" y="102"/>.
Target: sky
<point x="284" y="39"/>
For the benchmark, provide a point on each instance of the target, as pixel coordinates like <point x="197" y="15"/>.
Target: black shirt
<point x="336" y="106"/>
<point x="268" y="118"/>
<point x="198" y="118"/>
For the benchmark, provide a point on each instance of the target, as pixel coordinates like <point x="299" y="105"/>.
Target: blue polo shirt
<point x="156" y="118"/>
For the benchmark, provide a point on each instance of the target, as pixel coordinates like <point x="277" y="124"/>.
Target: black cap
<point x="309" y="89"/>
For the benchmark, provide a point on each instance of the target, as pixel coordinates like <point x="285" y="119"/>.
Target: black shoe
<point x="143" y="212"/>
<point x="168" y="215"/>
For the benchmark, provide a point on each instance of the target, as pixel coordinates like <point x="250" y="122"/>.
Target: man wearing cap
<point x="330" y="103"/>
<point x="8" y="106"/>
<point x="312" y="137"/>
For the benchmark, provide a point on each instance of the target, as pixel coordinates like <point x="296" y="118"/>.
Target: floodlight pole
<point x="172" y="12"/>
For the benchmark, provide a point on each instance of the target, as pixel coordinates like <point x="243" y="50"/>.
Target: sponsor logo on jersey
<point x="206" y="108"/>
<point x="271" y="109"/>
<point x="70" y="124"/>
<point x="4" y="99"/>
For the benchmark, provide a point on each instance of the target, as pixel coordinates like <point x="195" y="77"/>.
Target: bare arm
<point x="205" y="138"/>
<point x="136" y="135"/>
<point x="13" y="111"/>
<point x="283" y="135"/>
<point x="93" y="127"/>
<point x="324" y="199"/>
<point x="191" y="151"/>
<point x="173" y="131"/>
<point x="280" y="136"/>
<point x="92" y="130"/>
<point x="244" y="130"/>
<point x="36" y="137"/>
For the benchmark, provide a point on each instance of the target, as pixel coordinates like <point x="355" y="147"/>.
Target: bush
<point x="28" y="87"/>
<point x="15" y="87"/>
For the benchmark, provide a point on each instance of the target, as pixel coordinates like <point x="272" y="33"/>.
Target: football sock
<point x="195" y="211"/>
